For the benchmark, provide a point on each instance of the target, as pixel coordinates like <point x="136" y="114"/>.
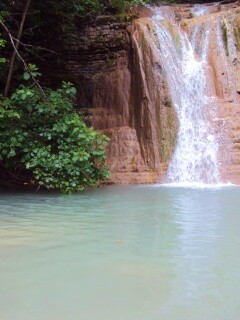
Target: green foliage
<point x="2" y="42"/>
<point x="32" y="71"/>
<point x="2" y="45"/>
<point x="63" y="14"/>
<point x="237" y="36"/>
<point x="3" y="12"/>
<point x="67" y="12"/>
<point x="122" y="5"/>
<point x="50" y="140"/>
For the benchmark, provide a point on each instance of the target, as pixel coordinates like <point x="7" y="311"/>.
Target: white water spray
<point x="195" y="159"/>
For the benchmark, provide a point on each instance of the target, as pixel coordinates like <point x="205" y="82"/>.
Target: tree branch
<point x="11" y="68"/>
<point x="32" y="46"/>
<point x="21" y="58"/>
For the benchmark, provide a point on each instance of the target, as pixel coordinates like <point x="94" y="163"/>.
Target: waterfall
<point x="202" y="9"/>
<point x="195" y="159"/>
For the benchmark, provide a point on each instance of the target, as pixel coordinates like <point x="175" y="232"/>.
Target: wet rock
<point x="123" y="91"/>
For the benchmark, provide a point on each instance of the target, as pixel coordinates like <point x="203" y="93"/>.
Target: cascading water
<point x="195" y="159"/>
<point x="201" y="9"/>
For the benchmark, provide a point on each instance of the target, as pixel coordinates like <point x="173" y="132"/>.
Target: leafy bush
<point x="2" y="45"/>
<point x="66" y="12"/>
<point x="122" y="5"/>
<point x="48" y="142"/>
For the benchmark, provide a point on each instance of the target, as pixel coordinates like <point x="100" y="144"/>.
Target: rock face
<point x="123" y="93"/>
<point x="123" y="90"/>
<point x="223" y="53"/>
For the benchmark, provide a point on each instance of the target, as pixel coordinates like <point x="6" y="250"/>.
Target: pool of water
<point x="121" y="253"/>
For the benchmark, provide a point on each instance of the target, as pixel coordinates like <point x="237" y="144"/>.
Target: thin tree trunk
<point x="17" y="43"/>
<point x="12" y="39"/>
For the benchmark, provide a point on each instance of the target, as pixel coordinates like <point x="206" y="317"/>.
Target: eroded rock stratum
<point x="123" y="89"/>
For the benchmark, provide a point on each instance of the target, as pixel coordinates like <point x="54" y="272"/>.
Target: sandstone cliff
<point x="223" y="51"/>
<point x="123" y="90"/>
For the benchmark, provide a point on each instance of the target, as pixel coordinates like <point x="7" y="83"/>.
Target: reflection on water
<point x="122" y="253"/>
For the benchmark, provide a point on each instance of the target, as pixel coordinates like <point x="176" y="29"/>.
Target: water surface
<point x="121" y="253"/>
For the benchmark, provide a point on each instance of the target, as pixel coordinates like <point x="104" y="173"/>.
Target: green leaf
<point x="26" y="76"/>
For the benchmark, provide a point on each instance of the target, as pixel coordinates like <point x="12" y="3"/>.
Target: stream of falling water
<point x="195" y="159"/>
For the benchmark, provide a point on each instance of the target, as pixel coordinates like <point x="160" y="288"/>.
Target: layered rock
<point x="223" y="53"/>
<point x="216" y="30"/>
<point x="123" y="91"/>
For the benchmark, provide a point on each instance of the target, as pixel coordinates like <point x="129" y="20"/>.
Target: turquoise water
<point x="121" y="253"/>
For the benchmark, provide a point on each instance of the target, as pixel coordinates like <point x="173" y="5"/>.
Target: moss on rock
<point x="225" y="37"/>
